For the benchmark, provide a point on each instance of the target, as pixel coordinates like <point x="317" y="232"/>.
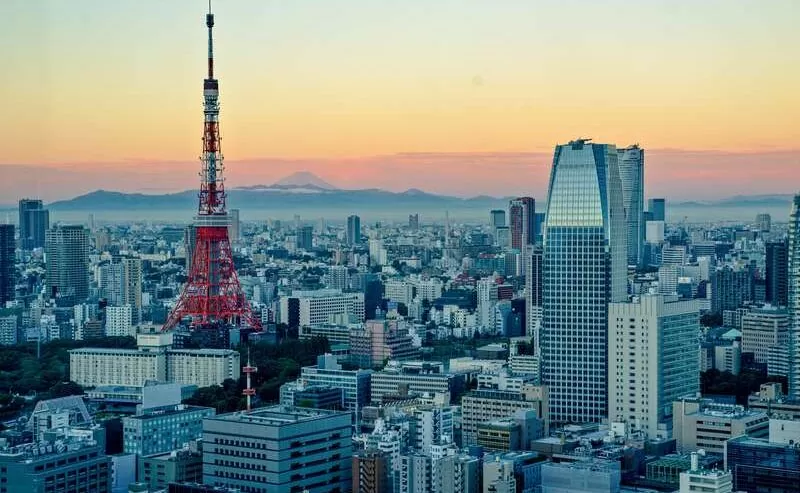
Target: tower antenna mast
<point x="212" y="294"/>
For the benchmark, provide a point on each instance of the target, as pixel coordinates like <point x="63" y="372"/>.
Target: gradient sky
<point x="453" y="96"/>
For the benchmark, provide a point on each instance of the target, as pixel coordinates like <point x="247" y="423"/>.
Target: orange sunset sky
<point x="461" y="97"/>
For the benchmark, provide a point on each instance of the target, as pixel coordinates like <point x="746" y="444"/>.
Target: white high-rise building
<point x="631" y="172"/>
<point x="415" y="473"/>
<point x="487" y="297"/>
<point x="119" y="321"/>
<point x="132" y="287"/>
<point x="585" y="268"/>
<point x="434" y="424"/>
<point x="533" y="295"/>
<point x="652" y="355"/>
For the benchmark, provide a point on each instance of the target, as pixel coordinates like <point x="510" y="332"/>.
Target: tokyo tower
<point x="212" y="293"/>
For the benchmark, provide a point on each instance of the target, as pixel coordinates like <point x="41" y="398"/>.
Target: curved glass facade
<point x="584" y="270"/>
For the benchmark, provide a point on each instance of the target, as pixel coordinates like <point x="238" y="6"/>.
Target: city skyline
<point x="399" y="97"/>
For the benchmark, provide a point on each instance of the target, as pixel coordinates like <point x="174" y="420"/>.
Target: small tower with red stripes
<point x="212" y="293"/>
<point x="248" y="370"/>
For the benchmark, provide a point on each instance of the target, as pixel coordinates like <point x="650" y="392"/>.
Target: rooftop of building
<point x="505" y="395"/>
<point x="499" y="424"/>
<point x="709" y="473"/>
<point x="54" y="442"/>
<point x="761" y="442"/>
<point x="728" y="411"/>
<point x="204" y="351"/>
<point x="317" y="389"/>
<point x="516" y="456"/>
<point x="593" y="464"/>
<point x="149" y="351"/>
<point x="173" y="455"/>
<point x="73" y="404"/>
<point x="170" y="411"/>
<point x="97" y="350"/>
<point x="279" y="415"/>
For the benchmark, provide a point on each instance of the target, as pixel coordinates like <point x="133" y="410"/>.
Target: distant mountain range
<point x="276" y="197"/>
<point x="305" y="192"/>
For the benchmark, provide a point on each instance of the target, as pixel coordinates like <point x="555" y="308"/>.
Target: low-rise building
<point x="93" y="367"/>
<point x="279" y="449"/>
<point x="67" y="460"/>
<point x="703" y="424"/>
<point x="178" y="466"/>
<point x="581" y="476"/>
<point x="162" y="430"/>
<point x="758" y="465"/>
<point x="486" y="405"/>
<point x="355" y="384"/>
<point x="415" y="377"/>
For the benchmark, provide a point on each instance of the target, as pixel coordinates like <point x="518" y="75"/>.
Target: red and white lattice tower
<point x="212" y="293"/>
<point x="248" y="370"/>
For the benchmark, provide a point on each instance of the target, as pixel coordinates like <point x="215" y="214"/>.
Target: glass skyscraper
<point x="34" y="220"/>
<point x="631" y="174"/>
<point x="794" y="299"/>
<point x="584" y="270"/>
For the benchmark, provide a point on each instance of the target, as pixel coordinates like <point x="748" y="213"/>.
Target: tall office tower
<point x="585" y="269"/>
<point x="353" y="230"/>
<point x="533" y="295"/>
<point x="233" y="227"/>
<point x="132" y="287"/>
<point x="413" y="222"/>
<point x="631" y="173"/>
<point x="777" y="273"/>
<point x="279" y="449"/>
<point x="652" y="350"/>
<point x="110" y="283"/>
<point x="487" y="297"/>
<point x="657" y="209"/>
<point x="763" y="222"/>
<point x="305" y="238"/>
<point x="794" y="300"/>
<point x="731" y="287"/>
<point x="67" y="256"/>
<point x="521" y="220"/>
<point x="34" y="221"/>
<point x="7" y="272"/>
<point x="497" y="218"/>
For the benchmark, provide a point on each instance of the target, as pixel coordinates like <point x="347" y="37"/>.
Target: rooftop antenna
<point x="249" y="391"/>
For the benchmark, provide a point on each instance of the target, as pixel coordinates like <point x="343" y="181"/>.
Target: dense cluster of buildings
<point x="580" y="353"/>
